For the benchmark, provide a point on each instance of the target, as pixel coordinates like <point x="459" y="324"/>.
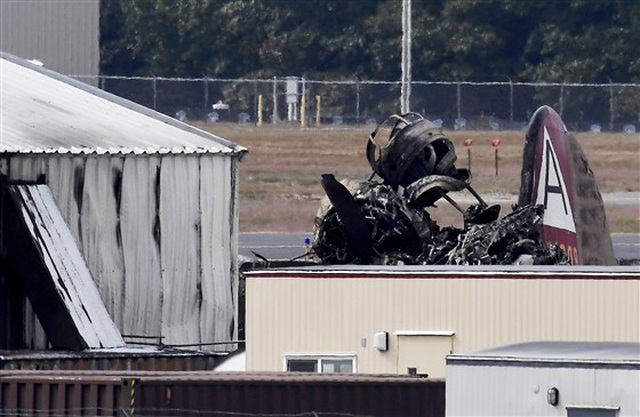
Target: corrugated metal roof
<point x="44" y="112"/>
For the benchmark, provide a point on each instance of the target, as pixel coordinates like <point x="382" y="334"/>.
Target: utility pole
<point x="405" y="85"/>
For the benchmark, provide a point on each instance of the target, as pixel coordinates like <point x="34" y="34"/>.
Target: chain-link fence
<point x="457" y="105"/>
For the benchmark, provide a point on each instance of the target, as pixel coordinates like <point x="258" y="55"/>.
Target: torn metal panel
<point x="42" y="252"/>
<point x="513" y="239"/>
<point x="595" y="246"/>
<point x="357" y="230"/>
<point x="427" y="190"/>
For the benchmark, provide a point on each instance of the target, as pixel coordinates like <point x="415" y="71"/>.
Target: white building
<point x="572" y="379"/>
<point x="63" y="35"/>
<point x="407" y="319"/>
<point x="150" y="201"/>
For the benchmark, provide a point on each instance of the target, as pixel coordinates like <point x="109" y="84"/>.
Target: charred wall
<point x="158" y="233"/>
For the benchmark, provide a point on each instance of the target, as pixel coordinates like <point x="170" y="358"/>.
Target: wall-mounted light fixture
<point x="553" y="396"/>
<point x="381" y="341"/>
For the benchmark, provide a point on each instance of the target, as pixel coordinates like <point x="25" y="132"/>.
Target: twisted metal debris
<point x="385" y="220"/>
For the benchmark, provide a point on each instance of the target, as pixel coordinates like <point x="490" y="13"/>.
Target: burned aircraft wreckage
<point x="386" y="220"/>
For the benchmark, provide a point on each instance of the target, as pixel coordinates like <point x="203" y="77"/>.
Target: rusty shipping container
<point x="217" y="394"/>
<point x="28" y="393"/>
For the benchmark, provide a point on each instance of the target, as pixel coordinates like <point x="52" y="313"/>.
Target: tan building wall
<point x="63" y="34"/>
<point x="338" y="312"/>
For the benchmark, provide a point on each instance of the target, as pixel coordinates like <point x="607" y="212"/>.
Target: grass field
<point x="280" y="187"/>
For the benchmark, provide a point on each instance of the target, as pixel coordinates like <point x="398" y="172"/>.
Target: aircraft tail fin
<point x="556" y="174"/>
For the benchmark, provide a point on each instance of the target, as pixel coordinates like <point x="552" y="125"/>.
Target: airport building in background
<point x="63" y="35"/>
<point x="406" y="320"/>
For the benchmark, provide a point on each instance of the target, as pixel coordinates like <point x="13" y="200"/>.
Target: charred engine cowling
<point x="375" y="226"/>
<point x="385" y="219"/>
<point x="418" y="157"/>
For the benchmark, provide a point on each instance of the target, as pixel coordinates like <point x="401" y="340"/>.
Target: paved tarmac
<point x="622" y="198"/>
<point x="278" y="246"/>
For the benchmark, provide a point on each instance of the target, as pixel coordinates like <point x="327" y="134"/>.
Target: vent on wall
<point x="381" y="341"/>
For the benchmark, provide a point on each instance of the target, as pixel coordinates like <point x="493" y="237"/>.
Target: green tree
<point x="470" y="40"/>
<point x="116" y="55"/>
<point x="586" y="41"/>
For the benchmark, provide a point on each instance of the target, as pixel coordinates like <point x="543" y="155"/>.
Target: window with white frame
<point x="321" y="364"/>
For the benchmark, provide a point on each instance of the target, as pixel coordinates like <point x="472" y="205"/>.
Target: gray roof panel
<point x="554" y="352"/>
<point x="44" y="112"/>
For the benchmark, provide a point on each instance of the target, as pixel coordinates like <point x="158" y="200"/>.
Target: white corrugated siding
<point x="522" y="391"/>
<point x="320" y="314"/>
<point x="216" y="241"/>
<point x="159" y="235"/>
<point x="63" y="34"/>
<point x="180" y="249"/>
<point x="141" y="247"/>
<point x="99" y="230"/>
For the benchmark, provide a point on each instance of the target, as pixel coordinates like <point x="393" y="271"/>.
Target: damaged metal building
<point x="113" y="217"/>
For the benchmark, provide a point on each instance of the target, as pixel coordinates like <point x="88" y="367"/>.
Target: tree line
<point x="452" y="40"/>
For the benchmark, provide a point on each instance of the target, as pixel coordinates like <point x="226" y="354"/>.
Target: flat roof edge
<point x="452" y="271"/>
<point x="532" y="362"/>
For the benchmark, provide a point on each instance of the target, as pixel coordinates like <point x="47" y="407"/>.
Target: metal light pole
<point x="405" y="87"/>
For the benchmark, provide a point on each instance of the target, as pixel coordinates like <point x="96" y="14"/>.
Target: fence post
<point x="510" y="102"/>
<point x="303" y="111"/>
<point x="155" y="93"/>
<point x="358" y="102"/>
<point x="611" y="106"/>
<point x="317" y="111"/>
<point x="303" y="102"/>
<point x="459" y="99"/>
<point x="274" y="118"/>
<point x="206" y="96"/>
<point x="259" y="123"/>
